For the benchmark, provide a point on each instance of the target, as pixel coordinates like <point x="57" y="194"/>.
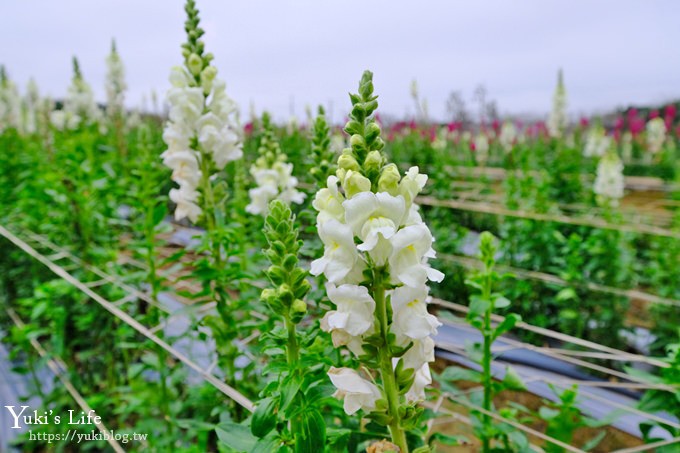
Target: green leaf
<point x="506" y="325"/>
<point x="500" y="301"/>
<point x="264" y="417"/>
<point x="446" y="439"/>
<point x="478" y="305"/>
<point x="474" y="351"/>
<point x="456" y="373"/>
<point x="267" y="445"/>
<point x="235" y="436"/>
<point x="158" y="214"/>
<point x="566" y="294"/>
<point x="289" y="390"/>
<point x="312" y="435"/>
<point x="512" y="380"/>
<point x="547" y="414"/>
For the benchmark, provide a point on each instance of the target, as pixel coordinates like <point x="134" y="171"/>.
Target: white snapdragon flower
<point x="202" y="114"/>
<point x="10" y="103"/>
<point x="656" y="135"/>
<point x="115" y="83"/>
<point x="410" y="246"/>
<point x="597" y="143"/>
<point x="481" y="149"/>
<point x="186" y="105"/>
<point x="375" y="218"/>
<point x="328" y="202"/>
<point x="422" y="380"/>
<point x="508" y="136"/>
<point x="410" y="317"/>
<point x="411" y="185"/>
<point x="260" y="198"/>
<point x="609" y="182"/>
<point x="376" y="250"/>
<point x="186" y="198"/>
<point x="275" y="182"/>
<point x="79" y="104"/>
<point x="355" y="307"/>
<point x="357" y="392"/>
<point x="557" y="121"/>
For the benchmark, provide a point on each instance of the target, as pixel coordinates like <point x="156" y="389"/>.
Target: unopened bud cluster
<point x="289" y="280"/>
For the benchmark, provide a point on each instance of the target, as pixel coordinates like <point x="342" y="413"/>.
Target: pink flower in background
<point x="583" y="122"/>
<point x="653" y="114"/>
<point x="618" y="123"/>
<point x="669" y="116"/>
<point x="636" y="125"/>
<point x="248" y="128"/>
<point x="496" y="126"/>
<point x="453" y="125"/>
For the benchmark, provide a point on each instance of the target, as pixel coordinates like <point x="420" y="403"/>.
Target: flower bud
<point x="357" y="143"/>
<point x="355" y="183"/>
<point x="285" y="295"/>
<point x="270" y="298"/>
<point x="347" y="162"/>
<point x="389" y="180"/>
<point x="195" y="64"/>
<point x="207" y="77"/>
<point x="372" y="132"/>
<point x="298" y="310"/>
<point x="373" y="161"/>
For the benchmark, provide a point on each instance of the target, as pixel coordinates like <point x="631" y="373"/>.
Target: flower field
<point x="192" y="279"/>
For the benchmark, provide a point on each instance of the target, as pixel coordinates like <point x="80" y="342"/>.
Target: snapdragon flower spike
<point x="30" y="108"/>
<point x="656" y="135"/>
<point x="597" y="142"/>
<point x="80" y="107"/>
<point x="10" y="103"/>
<point x="115" y="83"/>
<point x="202" y="133"/>
<point x="376" y="252"/>
<point x="558" y="121"/>
<point x="508" y="136"/>
<point x="323" y="155"/>
<point x="272" y="174"/>
<point x="609" y="183"/>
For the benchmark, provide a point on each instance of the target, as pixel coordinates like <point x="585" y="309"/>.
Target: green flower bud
<point x="276" y="274"/>
<point x="389" y="179"/>
<point x="270" y="298"/>
<point x="195" y="64"/>
<point x="355" y="183"/>
<point x="358" y="143"/>
<point x="298" y="310"/>
<point x="207" y="77"/>
<point x="373" y="162"/>
<point x="285" y="294"/>
<point x="372" y="132"/>
<point x="347" y="162"/>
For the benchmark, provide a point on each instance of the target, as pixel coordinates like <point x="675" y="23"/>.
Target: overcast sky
<point x="282" y="54"/>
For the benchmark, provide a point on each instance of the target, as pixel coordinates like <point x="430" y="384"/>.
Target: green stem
<point x="386" y="370"/>
<point x="293" y="350"/>
<point x="486" y="364"/>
